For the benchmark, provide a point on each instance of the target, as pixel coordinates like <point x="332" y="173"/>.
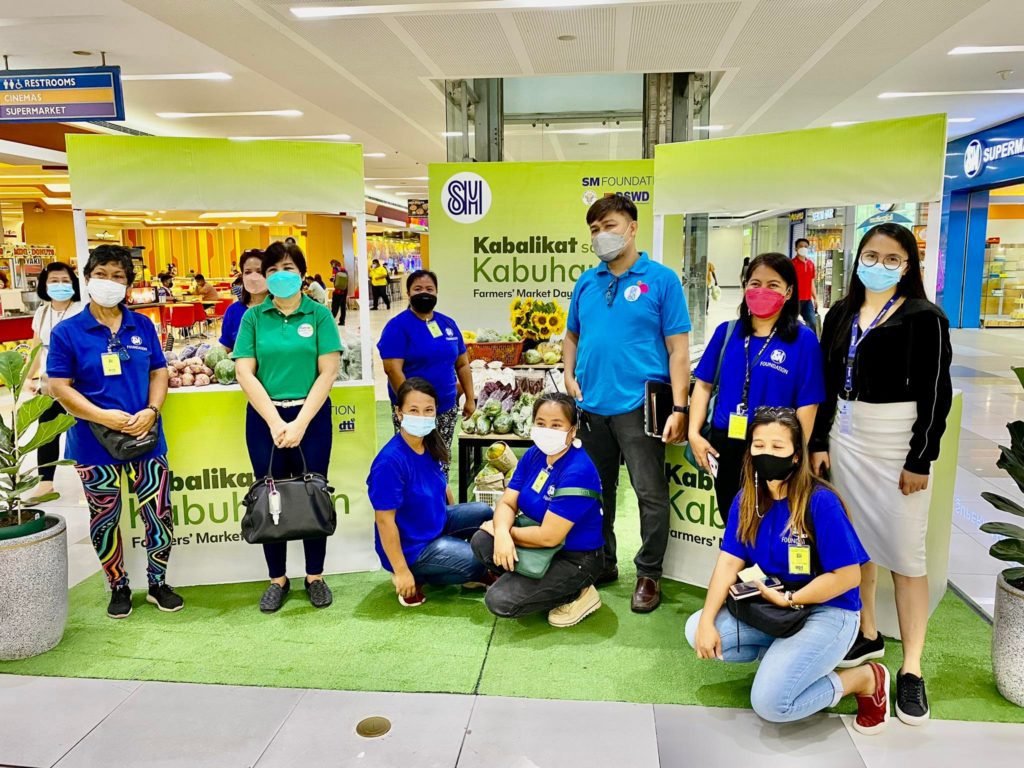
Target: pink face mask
<point x="764" y="302"/>
<point x="254" y="282"/>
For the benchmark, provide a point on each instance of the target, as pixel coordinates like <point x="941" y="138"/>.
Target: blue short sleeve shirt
<point x="432" y="357"/>
<point x="574" y="470"/>
<point x="789" y="374"/>
<point x="622" y="343"/>
<point x="835" y="541"/>
<point x="415" y="487"/>
<point x="230" y="324"/>
<point x="77" y="347"/>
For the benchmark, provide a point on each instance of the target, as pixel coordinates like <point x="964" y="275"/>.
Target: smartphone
<point x="749" y="588"/>
<point x="713" y="465"/>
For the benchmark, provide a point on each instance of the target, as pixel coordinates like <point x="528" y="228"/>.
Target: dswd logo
<point x="466" y="197"/>
<point x="972" y="159"/>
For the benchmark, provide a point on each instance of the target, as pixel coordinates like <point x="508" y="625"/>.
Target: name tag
<point x="111" y="364"/>
<point x="540" y="481"/>
<point x="434" y="328"/>
<point x="845" y="417"/>
<point x="738" y="426"/>
<point x="799" y="560"/>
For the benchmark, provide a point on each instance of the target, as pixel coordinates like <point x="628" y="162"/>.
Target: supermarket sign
<point x="81" y="94"/>
<point x="977" y="155"/>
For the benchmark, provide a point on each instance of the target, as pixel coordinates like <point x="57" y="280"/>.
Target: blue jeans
<point x="797" y="676"/>
<point x="809" y="315"/>
<point x="449" y="559"/>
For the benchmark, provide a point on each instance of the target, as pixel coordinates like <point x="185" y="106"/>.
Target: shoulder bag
<point x="533" y="562"/>
<point x="705" y="430"/>
<point x="288" y="509"/>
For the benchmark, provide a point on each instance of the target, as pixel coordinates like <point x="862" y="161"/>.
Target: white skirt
<point x="866" y="467"/>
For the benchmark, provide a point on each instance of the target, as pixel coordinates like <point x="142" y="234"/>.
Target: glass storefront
<point x="826" y="229"/>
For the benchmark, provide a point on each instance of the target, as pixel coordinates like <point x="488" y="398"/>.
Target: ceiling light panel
<point x="257" y="113"/>
<point x="181" y="76"/>
<point x="969" y="50"/>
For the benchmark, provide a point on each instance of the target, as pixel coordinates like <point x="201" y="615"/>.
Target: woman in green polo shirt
<point x="287" y="360"/>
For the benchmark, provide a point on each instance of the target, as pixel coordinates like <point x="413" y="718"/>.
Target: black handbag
<point x="124" y="447"/>
<point x="705" y="431"/>
<point x="289" y="509"/>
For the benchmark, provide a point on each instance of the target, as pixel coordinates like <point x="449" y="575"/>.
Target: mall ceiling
<point x="372" y="74"/>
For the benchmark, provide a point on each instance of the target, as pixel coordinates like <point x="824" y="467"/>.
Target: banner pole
<point x="81" y="240"/>
<point x="658" y="243"/>
<point x="362" y="274"/>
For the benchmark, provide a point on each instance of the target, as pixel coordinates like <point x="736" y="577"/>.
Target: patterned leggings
<point x="150" y="479"/>
<point x="445" y="426"/>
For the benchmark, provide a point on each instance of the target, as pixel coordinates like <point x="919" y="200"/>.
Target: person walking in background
<point x="254" y="293"/>
<point x="806" y="290"/>
<point x="744" y="269"/>
<point x="888" y="393"/>
<point x="379" y="284"/>
<point x="628" y="309"/>
<point x="287" y="360"/>
<point x="767" y="357"/>
<point x="794" y="528"/>
<point x="58" y="289"/>
<point x="107" y="369"/>
<point x="339" y="295"/>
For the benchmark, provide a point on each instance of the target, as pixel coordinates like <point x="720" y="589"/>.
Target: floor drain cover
<point x="372" y="727"/>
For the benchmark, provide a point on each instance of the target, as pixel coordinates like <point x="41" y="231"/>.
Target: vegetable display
<point x="225" y="371"/>
<point x="199" y="368"/>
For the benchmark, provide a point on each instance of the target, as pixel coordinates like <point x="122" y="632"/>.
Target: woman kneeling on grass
<point x="421" y="536"/>
<point x="556" y="493"/>
<point x="794" y="528"/>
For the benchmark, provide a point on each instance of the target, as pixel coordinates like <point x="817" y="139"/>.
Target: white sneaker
<point x="571" y="614"/>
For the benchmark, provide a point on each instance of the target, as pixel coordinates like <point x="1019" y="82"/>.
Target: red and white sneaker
<point x="411" y="602"/>
<point x="873" y="710"/>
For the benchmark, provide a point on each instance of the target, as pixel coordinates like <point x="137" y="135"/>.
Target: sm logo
<point x="591" y="181"/>
<point x="466" y="197"/>
<point x="972" y="159"/>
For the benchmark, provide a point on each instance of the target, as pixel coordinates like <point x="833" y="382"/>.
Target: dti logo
<point x="778" y="357"/>
<point x="466" y="197"/>
<point x="972" y="159"/>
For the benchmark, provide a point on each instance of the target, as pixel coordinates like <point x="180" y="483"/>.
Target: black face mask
<point x="423" y="302"/>
<point x="770" y="467"/>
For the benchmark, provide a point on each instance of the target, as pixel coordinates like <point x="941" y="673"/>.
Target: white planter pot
<point x="1008" y="642"/>
<point x="33" y="591"/>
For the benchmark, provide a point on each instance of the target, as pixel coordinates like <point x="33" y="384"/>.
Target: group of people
<point x="774" y="414"/>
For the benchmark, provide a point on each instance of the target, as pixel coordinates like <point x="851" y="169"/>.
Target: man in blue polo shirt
<point x="628" y="325"/>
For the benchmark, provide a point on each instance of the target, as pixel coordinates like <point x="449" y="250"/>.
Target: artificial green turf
<point x="365" y="641"/>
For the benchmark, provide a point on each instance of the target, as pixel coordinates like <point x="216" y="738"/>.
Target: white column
<point x="358" y="278"/>
<point x="931" y="250"/>
<point x="81" y="241"/>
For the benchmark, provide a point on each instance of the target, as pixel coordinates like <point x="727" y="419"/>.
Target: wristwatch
<point x="681" y="409"/>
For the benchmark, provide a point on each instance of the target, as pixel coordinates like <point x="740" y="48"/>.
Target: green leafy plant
<point x="15" y="481"/>
<point x="1011" y="459"/>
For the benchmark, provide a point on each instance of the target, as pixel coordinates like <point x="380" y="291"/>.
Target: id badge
<point x="434" y="328"/>
<point x="738" y="426"/>
<point x="845" y="417"/>
<point x="111" y="364"/>
<point x="799" y="559"/>
<point x="540" y="481"/>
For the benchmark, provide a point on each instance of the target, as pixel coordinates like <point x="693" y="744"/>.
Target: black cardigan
<point x="905" y="359"/>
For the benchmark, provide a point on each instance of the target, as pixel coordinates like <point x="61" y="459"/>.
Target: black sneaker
<point x="165" y="598"/>
<point x="863" y="650"/>
<point x="608" y="576"/>
<point x="911" y="699"/>
<point x="120" y="606"/>
<point x="319" y="593"/>
<point x="273" y="598"/>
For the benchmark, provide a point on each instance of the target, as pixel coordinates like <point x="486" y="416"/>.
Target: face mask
<point x="284" y="284"/>
<point x="764" y="302"/>
<point x="254" y="283"/>
<point x="608" y="246"/>
<point x="877" y="278"/>
<point x="419" y="426"/>
<point x="803" y="252"/>
<point x="549" y="441"/>
<point x="106" y="293"/>
<point x="770" y="467"/>
<point x="60" y="291"/>
<point x="423" y="302"/>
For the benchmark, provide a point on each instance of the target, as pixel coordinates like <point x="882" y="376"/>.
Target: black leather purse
<point x="124" y="447"/>
<point x="289" y="509"/>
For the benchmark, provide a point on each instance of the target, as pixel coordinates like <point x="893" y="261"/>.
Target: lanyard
<point x="751" y="363"/>
<point x="856" y="337"/>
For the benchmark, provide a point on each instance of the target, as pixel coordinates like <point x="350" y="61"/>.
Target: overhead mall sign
<point x="977" y="155"/>
<point x="58" y="95"/>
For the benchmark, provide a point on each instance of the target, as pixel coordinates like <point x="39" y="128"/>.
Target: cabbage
<point x="469" y="426"/>
<point x="492" y="408"/>
<point x="214" y="356"/>
<point x="225" y="371"/>
<point x="487" y="336"/>
<point x="503" y="424"/>
<point x="483" y="425"/>
<point x="532" y="357"/>
<point x="551" y="358"/>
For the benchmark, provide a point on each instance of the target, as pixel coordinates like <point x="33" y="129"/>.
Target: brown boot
<point x="646" y="596"/>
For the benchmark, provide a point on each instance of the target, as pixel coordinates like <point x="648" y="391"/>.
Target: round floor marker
<point x="372" y="727"/>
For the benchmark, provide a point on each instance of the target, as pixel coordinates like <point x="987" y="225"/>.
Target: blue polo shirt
<point x="76" y="349"/>
<point x="230" y="324"/>
<point x="789" y="374"/>
<point x="431" y="357"/>
<point x="415" y="487"/>
<point x="622" y="345"/>
<point x="835" y="541"/>
<point x="574" y="470"/>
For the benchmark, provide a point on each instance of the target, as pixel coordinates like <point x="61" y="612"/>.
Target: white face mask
<point x="106" y="293"/>
<point x="608" y="246"/>
<point x="549" y="441"/>
<point x="803" y="252"/>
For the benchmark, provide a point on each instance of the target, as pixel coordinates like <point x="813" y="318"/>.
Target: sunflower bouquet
<point x="536" y="320"/>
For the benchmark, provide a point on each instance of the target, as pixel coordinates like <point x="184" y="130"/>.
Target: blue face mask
<point x="284" y="284"/>
<point x="418" y="426"/>
<point x="877" y="278"/>
<point x="60" y="291"/>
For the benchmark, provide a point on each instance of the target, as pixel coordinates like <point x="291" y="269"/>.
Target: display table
<point x="471" y="456"/>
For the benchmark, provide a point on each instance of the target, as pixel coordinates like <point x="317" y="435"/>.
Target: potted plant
<point x="33" y="546"/>
<point x="1008" y="629"/>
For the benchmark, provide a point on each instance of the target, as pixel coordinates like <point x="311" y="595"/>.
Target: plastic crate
<point x="490" y="498"/>
<point x="507" y="352"/>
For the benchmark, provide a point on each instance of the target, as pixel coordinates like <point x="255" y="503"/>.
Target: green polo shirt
<point x="286" y="348"/>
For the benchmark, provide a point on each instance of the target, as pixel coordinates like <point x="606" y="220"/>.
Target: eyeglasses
<point x="613" y="288"/>
<point x="890" y="262"/>
<point x="115" y="345"/>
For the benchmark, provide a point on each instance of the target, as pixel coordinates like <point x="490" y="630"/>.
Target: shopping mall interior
<point x="469" y="138"/>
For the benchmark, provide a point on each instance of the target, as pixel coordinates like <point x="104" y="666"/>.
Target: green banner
<point x="506" y="231"/>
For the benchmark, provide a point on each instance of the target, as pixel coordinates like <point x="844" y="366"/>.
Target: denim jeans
<point x="809" y="315"/>
<point x="796" y="677"/>
<point x="449" y="559"/>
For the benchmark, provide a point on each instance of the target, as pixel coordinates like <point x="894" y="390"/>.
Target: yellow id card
<point x="737" y="426"/>
<point x="111" y="364"/>
<point x="434" y="328"/>
<point x="540" y="481"/>
<point x="799" y="560"/>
